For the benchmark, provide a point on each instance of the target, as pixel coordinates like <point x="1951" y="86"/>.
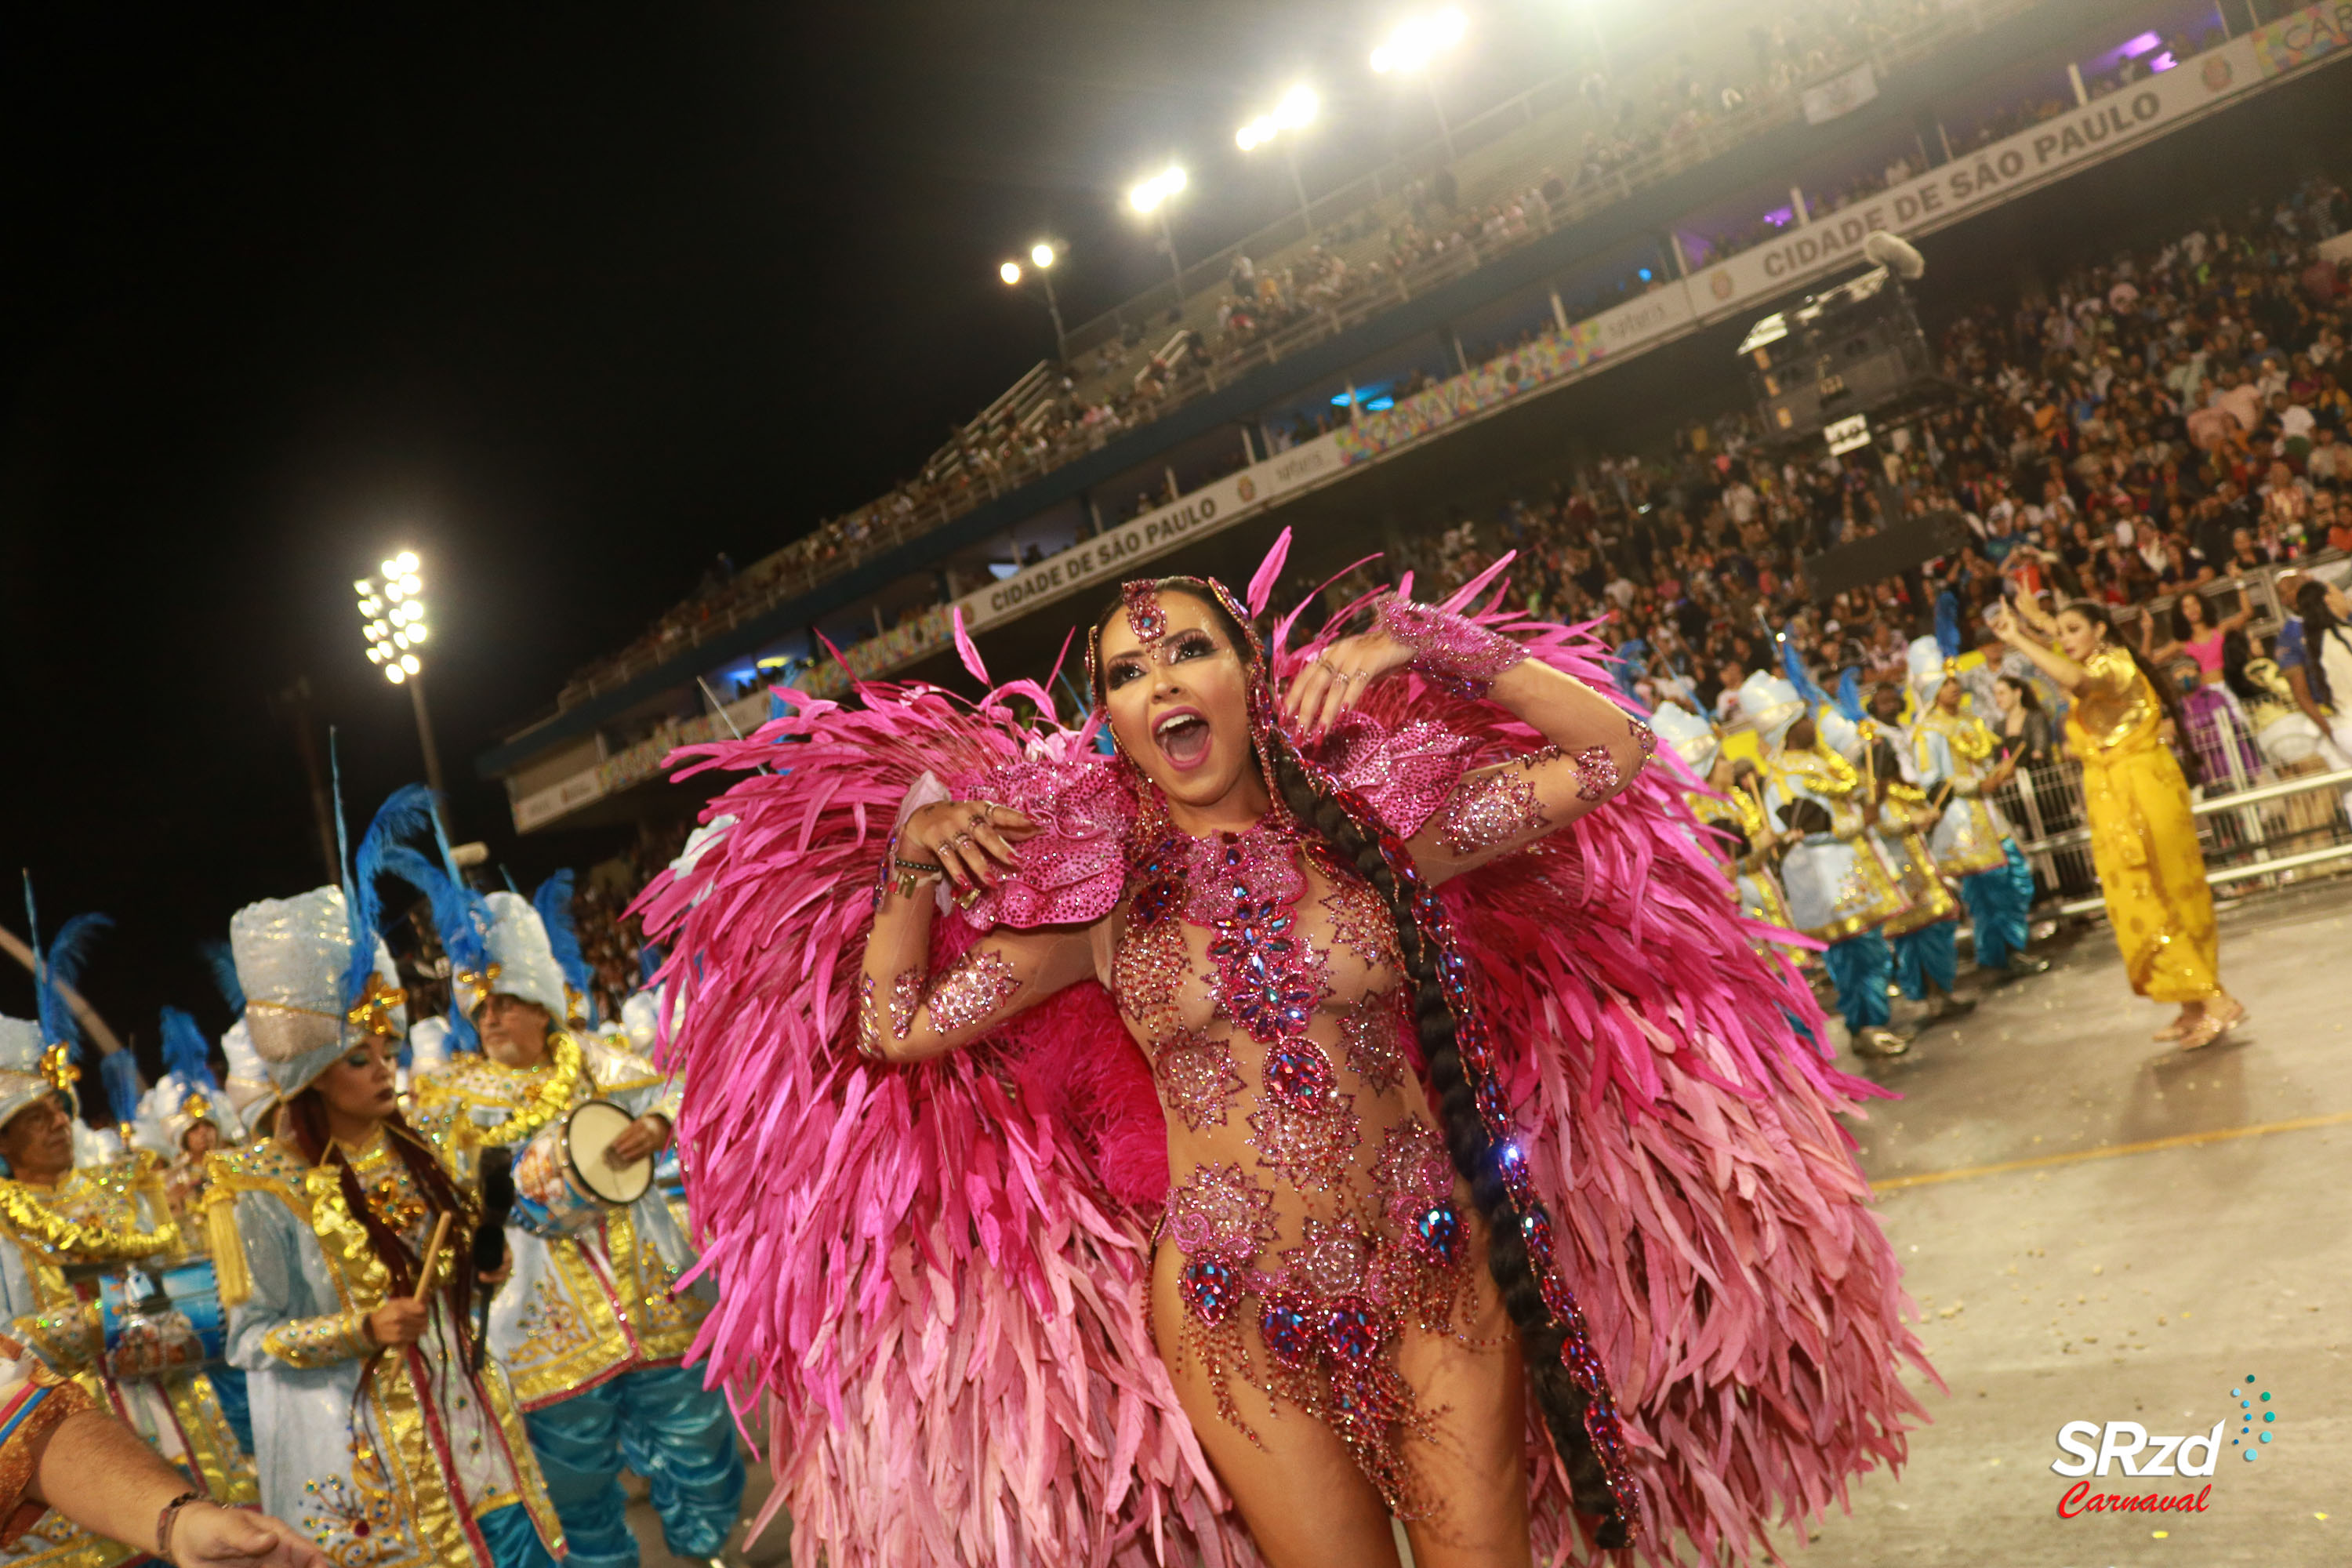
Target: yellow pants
<point x="2144" y="842"/>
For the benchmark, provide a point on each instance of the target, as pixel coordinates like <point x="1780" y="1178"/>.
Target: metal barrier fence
<point x="2260" y="820"/>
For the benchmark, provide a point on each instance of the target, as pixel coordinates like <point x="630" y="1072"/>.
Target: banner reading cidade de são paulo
<point x="1114" y="552"/>
<point x="1976" y="181"/>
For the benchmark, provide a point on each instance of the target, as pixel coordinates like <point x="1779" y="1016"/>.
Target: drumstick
<point x="432" y="1255"/>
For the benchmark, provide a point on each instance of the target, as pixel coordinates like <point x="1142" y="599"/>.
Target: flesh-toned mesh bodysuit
<point x="1313" y="1212"/>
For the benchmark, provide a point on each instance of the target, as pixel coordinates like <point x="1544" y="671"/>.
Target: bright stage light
<point x="408" y="662"/>
<point x="394" y="674"/>
<point x="364" y="586"/>
<point x="415" y="632"/>
<point x="1419" y="40"/>
<point x="391" y="569"/>
<point x="1009" y="272"/>
<point x="410" y="582"/>
<point x="1298" y="108"/>
<point x="1041" y="257"/>
<point x="406" y="561"/>
<point x="376" y="653"/>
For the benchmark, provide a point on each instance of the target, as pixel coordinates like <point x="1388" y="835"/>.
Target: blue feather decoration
<point x="554" y="902"/>
<point x="357" y="917"/>
<point x="120" y="1072"/>
<point x="185" y="1054"/>
<point x="61" y="969"/>
<point x="1948" y="624"/>
<point x="459" y="918"/>
<point x="1799" y="676"/>
<point x="221" y="960"/>
<point x="1848" y="700"/>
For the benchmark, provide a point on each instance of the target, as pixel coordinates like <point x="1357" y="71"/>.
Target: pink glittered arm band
<point x="1451" y="650"/>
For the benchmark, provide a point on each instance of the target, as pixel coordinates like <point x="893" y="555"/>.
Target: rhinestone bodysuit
<point x="1314" y="1210"/>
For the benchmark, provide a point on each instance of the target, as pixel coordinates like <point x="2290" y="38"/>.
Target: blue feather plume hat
<point x="188" y="1093"/>
<point x="40" y="1055"/>
<point x="552" y="901"/>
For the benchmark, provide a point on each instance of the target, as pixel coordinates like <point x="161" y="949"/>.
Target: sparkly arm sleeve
<point x="1596" y="750"/>
<point x="318" y="1342"/>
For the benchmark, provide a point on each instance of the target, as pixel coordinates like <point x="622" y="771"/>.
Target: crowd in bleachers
<point x="2166" y="421"/>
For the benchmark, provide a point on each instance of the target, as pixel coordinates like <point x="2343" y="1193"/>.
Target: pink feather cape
<point x="933" y="1276"/>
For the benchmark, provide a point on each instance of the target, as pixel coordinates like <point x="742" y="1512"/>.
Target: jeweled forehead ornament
<point x="1149" y="621"/>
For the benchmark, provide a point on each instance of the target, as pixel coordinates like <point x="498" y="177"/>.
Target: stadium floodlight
<point x="1041" y="257"/>
<point x="391" y="618"/>
<point x="1148" y="196"/>
<point x="1418" y="40"/>
<point x="1294" y="113"/>
<point x="1414" y="46"/>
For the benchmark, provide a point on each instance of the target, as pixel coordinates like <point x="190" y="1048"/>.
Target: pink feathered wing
<point x="934" y="1274"/>
<point x="922" y="1271"/>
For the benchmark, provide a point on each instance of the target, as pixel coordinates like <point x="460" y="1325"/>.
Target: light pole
<point x="1413" y="47"/>
<point x="1294" y="113"/>
<point x="391" y="614"/>
<point x="1150" y="199"/>
<point x="1041" y="257"/>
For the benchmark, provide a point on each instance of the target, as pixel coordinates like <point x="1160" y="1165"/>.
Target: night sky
<point x="568" y="299"/>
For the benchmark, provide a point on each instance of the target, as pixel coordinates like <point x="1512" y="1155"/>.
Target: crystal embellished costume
<point x="937" y="1274"/>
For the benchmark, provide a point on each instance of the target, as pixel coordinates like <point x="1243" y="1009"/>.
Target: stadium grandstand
<point x="1528" y="339"/>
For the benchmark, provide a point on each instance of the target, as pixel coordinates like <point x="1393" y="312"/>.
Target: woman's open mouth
<point x="1184" y="737"/>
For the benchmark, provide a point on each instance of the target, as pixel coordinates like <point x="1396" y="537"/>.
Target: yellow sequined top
<point x="2115" y="708"/>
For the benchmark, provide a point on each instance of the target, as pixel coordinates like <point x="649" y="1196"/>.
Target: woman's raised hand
<point x="1336" y="679"/>
<point x="966" y="839"/>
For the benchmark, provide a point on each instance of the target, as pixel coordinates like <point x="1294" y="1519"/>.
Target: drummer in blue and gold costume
<point x="54" y="1216"/>
<point x="592" y="1325"/>
<point x="1735" y="809"/>
<point x="1840" y="889"/>
<point x="377" y="1437"/>
<point x="1953" y="753"/>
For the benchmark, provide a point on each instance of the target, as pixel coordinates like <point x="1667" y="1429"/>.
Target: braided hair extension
<point x="1569" y="1389"/>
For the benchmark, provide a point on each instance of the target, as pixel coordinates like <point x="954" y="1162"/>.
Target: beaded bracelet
<point x="1449" y="650"/>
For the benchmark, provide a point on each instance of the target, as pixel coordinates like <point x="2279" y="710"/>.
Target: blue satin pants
<point x="228" y="1387"/>
<point x="1931" y="952"/>
<point x="1859" y="966"/>
<point x="514" y="1538"/>
<point x="1999" y="901"/>
<point x="661" y="1423"/>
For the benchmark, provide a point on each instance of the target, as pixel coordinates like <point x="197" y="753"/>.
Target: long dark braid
<point x="1542" y="1336"/>
<point x="1348" y="829"/>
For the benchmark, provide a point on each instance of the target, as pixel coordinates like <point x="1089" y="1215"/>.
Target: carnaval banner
<point x="2308" y="35"/>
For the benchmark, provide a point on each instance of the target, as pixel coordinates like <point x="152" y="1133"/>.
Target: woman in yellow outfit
<point x="2143" y="834"/>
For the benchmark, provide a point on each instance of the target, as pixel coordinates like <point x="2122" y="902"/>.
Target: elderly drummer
<point x="593" y="1323"/>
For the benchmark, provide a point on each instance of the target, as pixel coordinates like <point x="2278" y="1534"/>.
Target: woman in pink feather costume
<point x="1137" y="1159"/>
